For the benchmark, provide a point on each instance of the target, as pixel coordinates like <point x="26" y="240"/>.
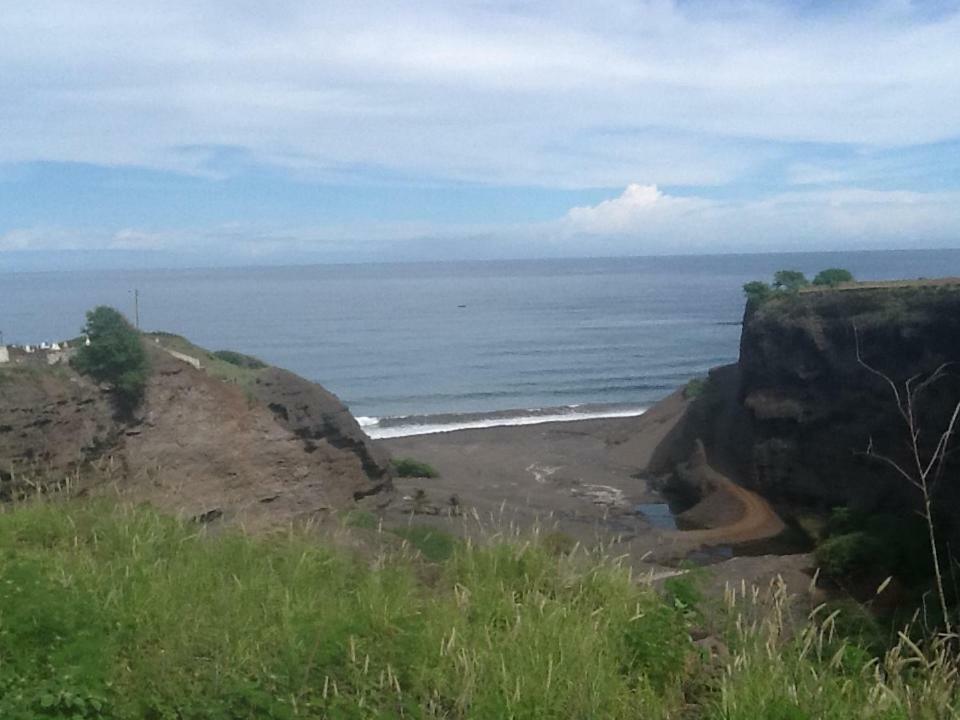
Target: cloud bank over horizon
<point x="338" y="131"/>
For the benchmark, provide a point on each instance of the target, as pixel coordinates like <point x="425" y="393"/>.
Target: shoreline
<point x="587" y="481"/>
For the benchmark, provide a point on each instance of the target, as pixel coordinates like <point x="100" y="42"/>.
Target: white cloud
<point x="641" y="208"/>
<point x="647" y="220"/>
<point x="499" y="92"/>
<point x="643" y="220"/>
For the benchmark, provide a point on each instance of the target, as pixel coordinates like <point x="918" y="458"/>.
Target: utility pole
<point x="136" y="307"/>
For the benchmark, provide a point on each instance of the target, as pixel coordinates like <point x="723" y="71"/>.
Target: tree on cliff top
<point x="757" y="292"/>
<point x="789" y="280"/>
<point x="115" y="355"/>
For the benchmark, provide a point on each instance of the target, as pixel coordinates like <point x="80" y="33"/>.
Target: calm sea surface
<point x="445" y="345"/>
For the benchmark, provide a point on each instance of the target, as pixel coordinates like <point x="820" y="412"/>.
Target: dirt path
<point x="757" y="521"/>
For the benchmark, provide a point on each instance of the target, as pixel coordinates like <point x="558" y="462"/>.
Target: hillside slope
<point x="257" y="444"/>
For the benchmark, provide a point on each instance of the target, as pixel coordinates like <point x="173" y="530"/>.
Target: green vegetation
<point x="226" y="365"/>
<point x="855" y="544"/>
<point x="362" y="519"/>
<point x="115" y="355"/>
<point x="114" y="612"/>
<point x="410" y="468"/>
<point x="787" y="283"/>
<point x="433" y="544"/>
<point x="833" y="277"/>
<point x="757" y="292"/>
<point x="853" y="552"/>
<point x="239" y="359"/>
<point x="695" y="388"/>
<point x="789" y="280"/>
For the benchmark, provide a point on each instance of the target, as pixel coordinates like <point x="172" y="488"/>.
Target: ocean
<point x="428" y="347"/>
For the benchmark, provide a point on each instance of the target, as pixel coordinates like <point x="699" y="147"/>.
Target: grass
<point x="239" y="359"/>
<point x="410" y="468"/>
<point x="108" y="611"/>
<point x="226" y="365"/>
<point x="435" y="545"/>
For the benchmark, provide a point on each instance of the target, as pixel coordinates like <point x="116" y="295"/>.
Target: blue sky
<point x="212" y="132"/>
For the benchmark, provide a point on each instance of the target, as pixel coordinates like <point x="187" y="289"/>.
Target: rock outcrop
<point x="318" y="417"/>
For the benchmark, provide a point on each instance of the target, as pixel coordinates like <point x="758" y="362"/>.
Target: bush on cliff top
<point x="115" y="355"/>
<point x="833" y="277"/>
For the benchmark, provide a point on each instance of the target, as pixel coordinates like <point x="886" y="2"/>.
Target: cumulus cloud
<point x="641" y="208"/>
<point x="649" y="220"/>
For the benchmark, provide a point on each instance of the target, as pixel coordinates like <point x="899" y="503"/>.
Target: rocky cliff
<point x="256" y="444"/>
<point x="812" y="409"/>
<point x="794" y="418"/>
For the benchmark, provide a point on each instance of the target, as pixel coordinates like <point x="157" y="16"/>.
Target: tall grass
<point x="111" y="611"/>
<point x="108" y="611"/>
<point x="780" y="671"/>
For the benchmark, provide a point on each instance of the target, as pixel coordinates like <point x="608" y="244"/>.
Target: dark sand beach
<point x="587" y="480"/>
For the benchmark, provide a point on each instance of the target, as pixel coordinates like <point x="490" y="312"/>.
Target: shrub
<point x="239" y="359"/>
<point x="695" y="388"/>
<point x="833" y="277"/>
<point x="115" y="355"/>
<point x="850" y="552"/>
<point x="887" y="543"/>
<point x="410" y="468"/>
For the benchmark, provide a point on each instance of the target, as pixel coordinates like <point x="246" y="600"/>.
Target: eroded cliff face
<point x="809" y="410"/>
<point x="51" y="421"/>
<point x="273" y="449"/>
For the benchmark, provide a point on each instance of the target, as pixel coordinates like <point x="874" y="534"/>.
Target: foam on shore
<point x="395" y="427"/>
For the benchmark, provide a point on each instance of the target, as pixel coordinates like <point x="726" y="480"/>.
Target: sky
<point x="207" y="132"/>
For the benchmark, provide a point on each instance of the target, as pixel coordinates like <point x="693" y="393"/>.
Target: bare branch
<point x="942" y="446"/>
<point x="920" y="478"/>
<point x="938" y="374"/>
<point x="892" y="463"/>
<point x="891" y="383"/>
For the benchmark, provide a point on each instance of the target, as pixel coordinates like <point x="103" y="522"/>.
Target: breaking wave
<point x="404" y="426"/>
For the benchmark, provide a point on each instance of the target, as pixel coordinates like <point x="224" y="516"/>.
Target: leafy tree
<point x="115" y="355"/>
<point x="789" y="280"/>
<point x="757" y="292"/>
<point x="833" y="277"/>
